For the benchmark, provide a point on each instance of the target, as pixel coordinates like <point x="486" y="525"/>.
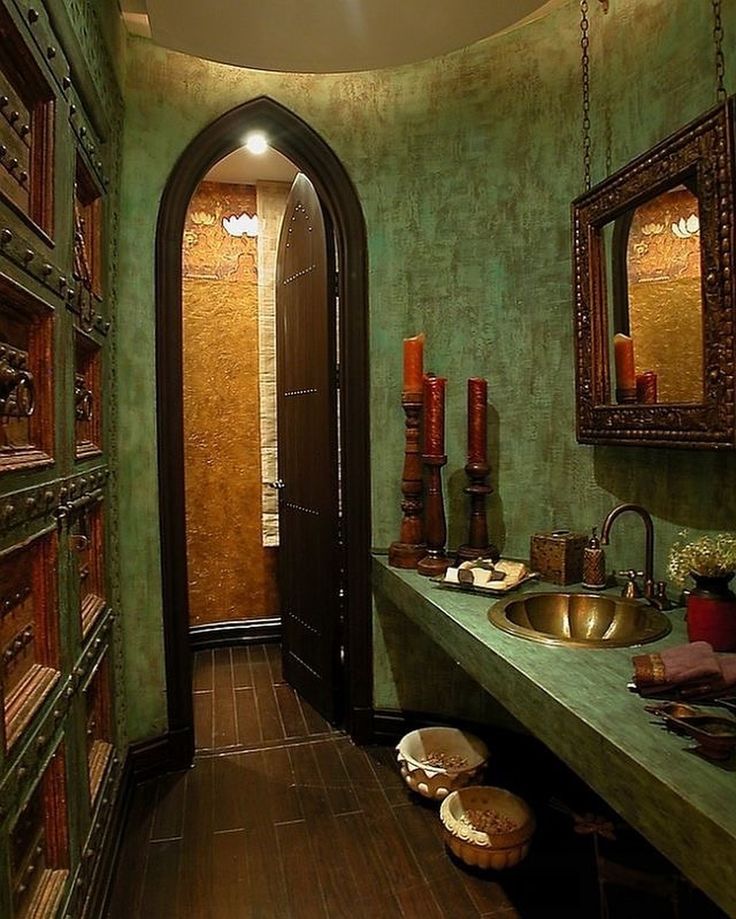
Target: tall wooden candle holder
<point x="477" y="470"/>
<point x="409" y="548"/>
<point x="477" y="545"/>
<point x="435" y="562"/>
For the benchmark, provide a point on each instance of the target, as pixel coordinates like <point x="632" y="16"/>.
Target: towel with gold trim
<point x="686" y="670"/>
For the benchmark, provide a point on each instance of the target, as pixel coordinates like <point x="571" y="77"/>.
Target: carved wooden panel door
<point x="309" y="554"/>
<point x="59" y="722"/>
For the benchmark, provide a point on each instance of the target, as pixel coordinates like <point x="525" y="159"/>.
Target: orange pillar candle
<point x="434" y="415"/>
<point x="477" y="420"/>
<point x="413" y="363"/>
<point x="623" y="347"/>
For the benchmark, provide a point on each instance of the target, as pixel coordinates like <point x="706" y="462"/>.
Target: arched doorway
<point x="307" y="150"/>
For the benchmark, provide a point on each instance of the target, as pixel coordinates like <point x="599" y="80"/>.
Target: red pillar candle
<point x="646" y="387"/>
<point x="413" y="363"/>
<point x="623" y="347"/>
<point x="477" y="420"/>
<point x="434" y="416"/>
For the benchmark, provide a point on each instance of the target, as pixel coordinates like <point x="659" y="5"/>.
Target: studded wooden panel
<point x="16" y="137"/>
<point x="39" y="845"/>
<point x="87" y="397"/>
<point x="88" y="243"/>
<point x="87" y="543"/>
<point x="29" y="652"/>
<point x="26" y="379"/>
<point x="88" y="228"/>
<point x="26" y="130"/>
<point x="99" y="725"/>
<point x="27" y="849"/>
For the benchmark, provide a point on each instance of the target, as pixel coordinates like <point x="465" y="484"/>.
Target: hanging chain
<point x="718" y="42"/>
<point x="585" y="60"/>
<point x="718" y="36"/>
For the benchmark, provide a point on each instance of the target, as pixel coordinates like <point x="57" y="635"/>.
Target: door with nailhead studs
<point x="59" y="729"/>
<point x="310" y="553"/>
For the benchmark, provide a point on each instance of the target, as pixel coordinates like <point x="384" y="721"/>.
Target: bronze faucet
<point x="654" y="596"/>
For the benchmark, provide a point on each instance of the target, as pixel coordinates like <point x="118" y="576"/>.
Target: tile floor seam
<point x="211" y="752"/>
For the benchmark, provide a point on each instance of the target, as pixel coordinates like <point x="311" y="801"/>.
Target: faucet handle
<point x="660" y="600"/>
<point x="631" y="590"/>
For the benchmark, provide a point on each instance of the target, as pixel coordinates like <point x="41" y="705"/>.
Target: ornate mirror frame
<point x="706" y="147"/>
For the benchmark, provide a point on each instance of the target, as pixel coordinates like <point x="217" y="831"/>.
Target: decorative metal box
<point x="558" y="556"/>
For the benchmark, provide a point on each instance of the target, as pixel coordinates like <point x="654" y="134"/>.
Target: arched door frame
<point x="308" y="151"/>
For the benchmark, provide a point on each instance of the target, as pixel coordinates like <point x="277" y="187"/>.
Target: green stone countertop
<point x="576" y="702"/>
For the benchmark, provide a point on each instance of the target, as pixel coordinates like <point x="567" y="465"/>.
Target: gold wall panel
<point x="665" y="311"/>
<point x="231" y="574"/>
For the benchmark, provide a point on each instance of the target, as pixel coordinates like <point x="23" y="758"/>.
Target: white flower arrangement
<point x="708" y="556"/>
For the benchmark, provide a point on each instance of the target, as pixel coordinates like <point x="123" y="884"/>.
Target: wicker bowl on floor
<point x="487" y="827"/>
<point x="436" y="761"/>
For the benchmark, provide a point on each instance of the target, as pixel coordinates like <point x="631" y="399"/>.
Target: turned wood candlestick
<point x="410" y="547"/>
<point x="435" y="562"/>
<point x="477" y="545"/>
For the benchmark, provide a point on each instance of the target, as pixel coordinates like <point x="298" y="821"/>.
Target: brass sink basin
<point x="580" y="620"/>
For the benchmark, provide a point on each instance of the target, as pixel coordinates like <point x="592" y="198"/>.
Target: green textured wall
<point x="466" y="166"/>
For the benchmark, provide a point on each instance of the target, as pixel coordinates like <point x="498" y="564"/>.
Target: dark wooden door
<point x="309" y="554"/>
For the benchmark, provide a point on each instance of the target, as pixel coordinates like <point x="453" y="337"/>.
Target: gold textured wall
<point x="665" y="309"/>
<point x="231" y="574"/>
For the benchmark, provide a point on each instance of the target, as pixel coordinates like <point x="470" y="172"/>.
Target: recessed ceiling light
<point x="256" y="143"/>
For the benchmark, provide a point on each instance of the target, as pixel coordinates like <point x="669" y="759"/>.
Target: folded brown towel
<point x="692" y="663"/>
<point x="687" y="672"/>
<point x="728" y="669"/>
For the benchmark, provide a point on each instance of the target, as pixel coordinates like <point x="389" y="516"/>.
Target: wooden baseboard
<point x="237" y="632"/>
<point x="390" y="725"/>
<point x="169" y="752"/>
<point x="361" y="725"/>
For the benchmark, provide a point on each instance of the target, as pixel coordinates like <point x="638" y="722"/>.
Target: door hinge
<point x="338" y="376"/>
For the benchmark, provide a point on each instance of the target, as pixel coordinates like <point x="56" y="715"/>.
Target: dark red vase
<point x="711" y="612"/>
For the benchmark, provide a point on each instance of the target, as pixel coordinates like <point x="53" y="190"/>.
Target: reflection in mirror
<point x="653" y="260"/>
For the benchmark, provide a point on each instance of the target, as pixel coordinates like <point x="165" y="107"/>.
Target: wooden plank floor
<point x="241" y="701"/>
<point x="282" y="816"/>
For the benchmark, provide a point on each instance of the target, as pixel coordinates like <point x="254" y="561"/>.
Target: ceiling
<point x="322" y="36"/>
<point x="244" y="168"/>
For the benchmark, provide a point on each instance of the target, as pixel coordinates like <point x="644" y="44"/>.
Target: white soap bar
<point x="514" y="571"/>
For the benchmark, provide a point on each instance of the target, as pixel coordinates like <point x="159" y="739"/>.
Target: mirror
<point x="654" y="295"/>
